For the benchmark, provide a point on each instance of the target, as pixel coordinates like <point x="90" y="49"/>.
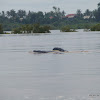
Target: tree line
<point x="30" y="17"/>
<point x="55" y="18"/>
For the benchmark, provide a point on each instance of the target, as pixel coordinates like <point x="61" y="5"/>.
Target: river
<point x="67" y="76"/>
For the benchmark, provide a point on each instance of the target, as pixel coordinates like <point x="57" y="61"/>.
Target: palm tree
<point x="99" y="5"/>
<point x="79" y="13"/>
<point x="13" y="13"/>
<point x="21" y="13"/>
<point x="3" y="13"/>
<point x="87" y="12"/>
<point x="8" y="14"/>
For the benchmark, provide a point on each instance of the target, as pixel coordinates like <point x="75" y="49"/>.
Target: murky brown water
<point x="68" y="76"/>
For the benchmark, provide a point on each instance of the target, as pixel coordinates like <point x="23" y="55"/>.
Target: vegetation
<point x="55" y="18"/>
<point x="36" y="28"/>
<point x="67" y="29"/>
<point x="95" y="27"/>
<point x="1" y="29"/>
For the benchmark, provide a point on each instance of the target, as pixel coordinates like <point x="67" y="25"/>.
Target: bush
<point x="67" y="29"/>
<point x="1" y="29"/>
<point x="16" y="31"/>
<point x="95" y="27"/>
<point x="36" y="28"/>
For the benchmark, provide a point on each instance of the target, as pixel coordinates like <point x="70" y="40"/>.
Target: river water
<point x="68" y="76"/>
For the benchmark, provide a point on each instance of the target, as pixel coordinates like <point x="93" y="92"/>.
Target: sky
<point x="69" y="6"/>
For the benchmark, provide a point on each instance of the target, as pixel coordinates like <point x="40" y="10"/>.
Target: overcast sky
<point x="69" y="6"/>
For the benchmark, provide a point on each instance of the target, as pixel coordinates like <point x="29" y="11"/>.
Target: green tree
<point x="8" y="13"/>
<point x="87" y="12"/>
<point x="3" y="13"/>
<point x="79" y="13"/>
<point x="1" y="29"/>
<point x="21" y="13"/>
<point x="13" y="14"/>
<point x="97" y="13"/>
<point x="98" y="5"/>
<point x="95" y="27"/>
